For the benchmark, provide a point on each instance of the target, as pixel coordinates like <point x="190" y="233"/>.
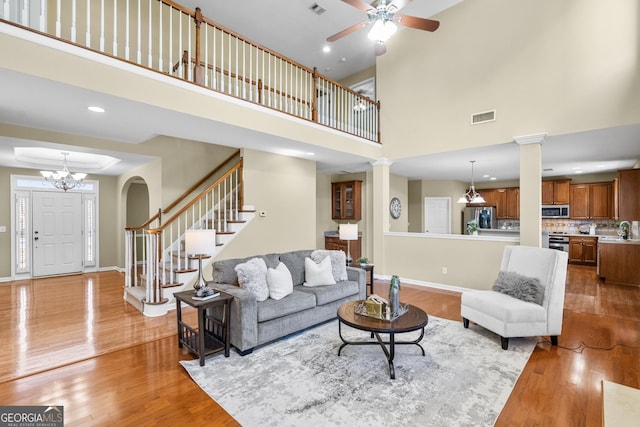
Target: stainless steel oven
<point x="559" y="242"/>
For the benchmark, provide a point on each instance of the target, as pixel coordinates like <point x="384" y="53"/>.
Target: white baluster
<point x="43" y="16"/>
<point x="115" y="28"/>
<point x="150" y="45"/>
<point x="139" y="52"/>
<point x="160" y="37"/>
<point x="126" y="34"/>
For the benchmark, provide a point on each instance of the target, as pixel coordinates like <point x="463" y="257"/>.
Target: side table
<point x="212" y="335"/>
<point x="369" y="277"/>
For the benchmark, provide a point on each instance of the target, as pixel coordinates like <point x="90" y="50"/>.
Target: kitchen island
<point x="618" y="261"/>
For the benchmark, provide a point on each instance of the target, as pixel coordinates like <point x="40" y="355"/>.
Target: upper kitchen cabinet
<point x="556" y="192"/>
<point x="346" y="200"/>
<point x="591" y="201"/>
<point x="506" y="201"/>
<point x="629" y="194"/>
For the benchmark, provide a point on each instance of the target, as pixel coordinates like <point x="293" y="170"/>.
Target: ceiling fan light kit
<point x="384" y="18"/>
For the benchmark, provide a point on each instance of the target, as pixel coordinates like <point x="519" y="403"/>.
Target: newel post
<point x="197" y="71"/>
<point x="314" y="102"/>
<point x="378" y="108"/>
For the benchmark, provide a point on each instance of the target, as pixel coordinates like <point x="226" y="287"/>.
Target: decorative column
<point x="380" y="198"/>
<point x="530" y="188"/>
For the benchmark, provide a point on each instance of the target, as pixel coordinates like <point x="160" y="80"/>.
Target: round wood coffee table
<point x="412" y="320"/>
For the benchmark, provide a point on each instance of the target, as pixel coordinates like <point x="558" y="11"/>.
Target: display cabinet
<point x="346" y="200"/>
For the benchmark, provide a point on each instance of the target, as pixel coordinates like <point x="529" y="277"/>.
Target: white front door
<point x="57" y="233"/>
<point x="437" y="215"/>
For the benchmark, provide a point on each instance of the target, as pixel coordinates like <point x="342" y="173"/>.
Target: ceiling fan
<point x="384" y="18"/>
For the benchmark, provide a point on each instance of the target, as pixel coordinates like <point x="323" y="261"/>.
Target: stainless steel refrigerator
<point x="485" y="217"/>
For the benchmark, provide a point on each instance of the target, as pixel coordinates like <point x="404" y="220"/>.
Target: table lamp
<point x="200" y="244"/>
<point x="348" y="232"/>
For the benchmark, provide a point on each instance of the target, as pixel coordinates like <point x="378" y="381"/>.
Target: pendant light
<point x="471" y="196"/>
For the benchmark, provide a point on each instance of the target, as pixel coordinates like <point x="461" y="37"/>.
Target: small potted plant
<point x="363" y="261"/>
<point x="472" y="226"/>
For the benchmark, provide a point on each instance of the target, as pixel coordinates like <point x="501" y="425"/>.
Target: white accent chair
<point x="511" y="317"/>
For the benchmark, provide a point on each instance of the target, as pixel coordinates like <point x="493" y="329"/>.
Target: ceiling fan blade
<point x="415" y="22"/>
<point x="347" y="31"/>
<point x="381" y="48"/>
<point x="359" y="4"/>
<point x="399" y="4"/>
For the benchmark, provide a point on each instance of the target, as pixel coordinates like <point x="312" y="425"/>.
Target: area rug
<point x="464" y="379"/>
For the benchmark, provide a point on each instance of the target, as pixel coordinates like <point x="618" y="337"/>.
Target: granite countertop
<point x="618" y="240"/>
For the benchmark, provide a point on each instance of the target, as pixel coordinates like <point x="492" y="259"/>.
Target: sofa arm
<point x="358" y="275"/>
<point x="244" y="316"/>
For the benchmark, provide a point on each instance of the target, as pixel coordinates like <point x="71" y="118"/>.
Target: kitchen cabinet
<point x="591" y="201"/>
<point x="556" y="192"/>
<point x="583" y="250"/>
<point x="346" y="200"/>
<point x="618" y="262"/>
<point x="512" y="203"/>
<point x="506" y="201"/>
<point x="629" y="194"/>
<point x="333" y="243"/>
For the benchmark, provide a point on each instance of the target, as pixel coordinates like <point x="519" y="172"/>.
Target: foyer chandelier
<point x="472" y="195"/>
<point x="63" y="179"/>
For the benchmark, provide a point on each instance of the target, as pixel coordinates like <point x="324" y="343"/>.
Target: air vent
<point x="486" y="116"/>
<point x="317" y="9"/>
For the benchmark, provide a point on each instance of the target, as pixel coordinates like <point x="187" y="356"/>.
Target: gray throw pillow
<point x="516" y="285"/>
<point x="252" y="275"/>
<point x="338" y="263"/>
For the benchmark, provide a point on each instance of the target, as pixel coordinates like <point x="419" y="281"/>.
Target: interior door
<point x="437" y="215"/>
<point x="57" y="233"/>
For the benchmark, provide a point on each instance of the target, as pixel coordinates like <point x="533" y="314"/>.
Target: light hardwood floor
<point x="73" y="341"/>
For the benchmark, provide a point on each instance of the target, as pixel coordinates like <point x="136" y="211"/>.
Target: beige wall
<point x="470" y="263"/>
<point x="284" y="187"/>
<point x="544" y="65"/>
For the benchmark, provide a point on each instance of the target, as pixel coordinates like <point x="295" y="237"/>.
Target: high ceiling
<point x="27" y="101"/>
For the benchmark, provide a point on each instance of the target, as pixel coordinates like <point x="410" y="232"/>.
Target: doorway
<point x="437" y="215"/>
<point x="57" y="233"/>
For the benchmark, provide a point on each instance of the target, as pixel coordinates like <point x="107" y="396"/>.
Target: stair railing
<point x="163" y="36"/>
<point x="164" y="256"/>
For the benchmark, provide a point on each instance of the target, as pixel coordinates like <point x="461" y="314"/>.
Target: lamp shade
<point x="348" y="231"/>
<point x="199" y="242"/>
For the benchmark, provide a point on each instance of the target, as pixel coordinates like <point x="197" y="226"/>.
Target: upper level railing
<point x="167" y="37"/>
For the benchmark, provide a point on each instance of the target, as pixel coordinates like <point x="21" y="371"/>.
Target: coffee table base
<point x="389" y="352"/>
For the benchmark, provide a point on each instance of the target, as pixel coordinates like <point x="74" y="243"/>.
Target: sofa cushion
<point x="279" y="281"/>
<point x="296" y="301"/>
<point x="223" y="271"/>
<point x="331" y="293"/>
<point x="318" y="274"/>
<point x="516" y="285"/>
<point x="338" y="262"/>
<point x="252" y="276"/>
<point x="295" y="263"/>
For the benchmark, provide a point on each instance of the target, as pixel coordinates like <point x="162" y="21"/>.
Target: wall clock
<point x="395" y="208"/>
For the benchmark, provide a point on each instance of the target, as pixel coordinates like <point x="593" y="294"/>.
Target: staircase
<point x="156" y="263"/>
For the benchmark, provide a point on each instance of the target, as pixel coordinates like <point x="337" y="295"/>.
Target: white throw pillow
<point x="318" y="274"/>
<point x="252" y="275"/>
<point x="279" y="281"/>
<point x="338" y="262"/>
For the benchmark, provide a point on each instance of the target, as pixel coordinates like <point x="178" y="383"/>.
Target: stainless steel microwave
<point x="555" y="211"/>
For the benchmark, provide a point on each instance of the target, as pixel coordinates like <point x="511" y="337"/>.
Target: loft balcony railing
<point x="166" y="37"/>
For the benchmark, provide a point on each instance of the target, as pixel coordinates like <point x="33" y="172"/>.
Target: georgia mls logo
<point x="31" y="416"/>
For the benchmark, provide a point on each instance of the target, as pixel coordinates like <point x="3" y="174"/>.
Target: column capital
<point x="537" y="138"/>
<point x="383" y="161"/>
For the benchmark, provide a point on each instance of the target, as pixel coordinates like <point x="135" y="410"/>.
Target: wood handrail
<point x="199" y="183"/>
<point x="199" y="197"/>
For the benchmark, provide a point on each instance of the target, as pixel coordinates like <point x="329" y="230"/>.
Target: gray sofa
<point x="254" y="323"/>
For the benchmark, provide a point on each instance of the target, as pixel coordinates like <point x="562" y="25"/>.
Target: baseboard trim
<point x="426" y="284"/>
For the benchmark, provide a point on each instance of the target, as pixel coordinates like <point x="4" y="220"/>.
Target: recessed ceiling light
<point x="326" y="49"/>
<point x="575" y="168"/>
<point x="95" y="109"/>
<point x="493" y="178"/>
<point x="578" y="171"/>
<point x="343" y="59"/>
<point x="311" y="154"/>
<point x="486" y="176"/>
